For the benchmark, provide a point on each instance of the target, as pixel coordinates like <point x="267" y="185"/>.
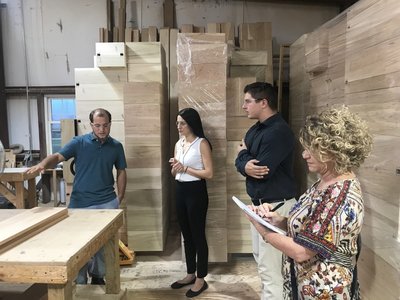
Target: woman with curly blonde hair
<point x="324" y="225"/>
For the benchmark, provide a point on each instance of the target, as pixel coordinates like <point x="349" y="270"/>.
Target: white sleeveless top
<point x="191" y="158"/>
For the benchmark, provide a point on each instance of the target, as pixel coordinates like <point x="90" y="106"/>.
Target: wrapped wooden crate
<point x="202" y="66"/>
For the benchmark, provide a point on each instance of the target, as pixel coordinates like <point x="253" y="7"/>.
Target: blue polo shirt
<point x="94" y="162"/>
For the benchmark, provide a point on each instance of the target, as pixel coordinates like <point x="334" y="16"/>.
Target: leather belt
<point x="258" y="202"/>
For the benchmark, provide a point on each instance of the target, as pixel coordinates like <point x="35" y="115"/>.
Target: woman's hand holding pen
<point x="268" y="212"/>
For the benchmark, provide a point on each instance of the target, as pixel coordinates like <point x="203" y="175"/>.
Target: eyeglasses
<point x="248" y="101"/>
<point x="97" y="126"/>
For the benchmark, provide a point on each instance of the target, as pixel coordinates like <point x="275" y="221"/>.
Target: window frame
<point x="48" y="116"/>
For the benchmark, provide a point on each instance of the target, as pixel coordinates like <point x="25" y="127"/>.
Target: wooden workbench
<point x="56" y="255"/>
<point x="16" y="178"/>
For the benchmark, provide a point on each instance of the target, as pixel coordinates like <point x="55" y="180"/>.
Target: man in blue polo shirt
<point x="95" y="154"/>
<point x="265" y="158"/>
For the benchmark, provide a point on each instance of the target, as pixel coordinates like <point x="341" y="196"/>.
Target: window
<point x="58" y="108"/>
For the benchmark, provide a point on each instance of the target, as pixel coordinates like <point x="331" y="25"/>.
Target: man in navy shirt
<point x="95" y="154"/>
<point x="265" y="158"/>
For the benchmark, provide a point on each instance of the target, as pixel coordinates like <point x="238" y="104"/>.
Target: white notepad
<point x="257" y="217"/>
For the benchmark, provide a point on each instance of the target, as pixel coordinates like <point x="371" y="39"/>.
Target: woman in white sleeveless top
<point x="191" y="165"/>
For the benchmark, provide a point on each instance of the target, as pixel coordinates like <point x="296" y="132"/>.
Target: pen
<point x="276" y="207"/>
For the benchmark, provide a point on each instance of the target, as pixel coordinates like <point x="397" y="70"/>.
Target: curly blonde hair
<point x="337" y="135"/>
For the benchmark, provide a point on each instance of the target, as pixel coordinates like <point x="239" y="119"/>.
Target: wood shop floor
<point x="152" y="273"/>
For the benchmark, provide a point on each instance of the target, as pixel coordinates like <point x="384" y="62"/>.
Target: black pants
<point x="191" y="208"/>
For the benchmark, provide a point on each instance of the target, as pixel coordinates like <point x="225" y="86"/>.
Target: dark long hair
<point x="192" y="118"/>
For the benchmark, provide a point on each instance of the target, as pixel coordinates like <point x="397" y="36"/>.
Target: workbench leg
<point x="60" y="291"/>
<point x="32" y="201"/>
<point x="111" y="256"/>
<point x="19" y="194"/>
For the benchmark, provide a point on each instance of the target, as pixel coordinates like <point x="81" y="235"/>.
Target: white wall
<point x="18" y="122"/>
<point x="52" y="37"/>
<point x="58" y="36"/>
<point x="289" y="21"/>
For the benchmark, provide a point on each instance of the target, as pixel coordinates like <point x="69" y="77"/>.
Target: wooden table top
<point x="16" y="174"/>
<point x="56" y="254"/>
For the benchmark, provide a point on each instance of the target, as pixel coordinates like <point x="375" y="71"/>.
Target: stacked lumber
<point x="122" y="91"/>
<point x="190" y="28"/>
<point x="362" y="71"/>
<point x="146" y="62"/>
<point x="299" y="92"/>
<point x="226" y="28"/>
<point x="16" y="229"/>
<point x="256" y="37"/>
<point x="316" y="48"/>
<point x="372" y="90"/>
<point x="249" y="63"/>
<point x="239" y="239"/>
<point x="202" y="63"/>
<point x="100" y="87"/>
<point x="147" y="146"/>
<point x="149" y="34"/>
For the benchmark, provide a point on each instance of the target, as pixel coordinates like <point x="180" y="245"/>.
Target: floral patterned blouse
<point x="328" y="222"/>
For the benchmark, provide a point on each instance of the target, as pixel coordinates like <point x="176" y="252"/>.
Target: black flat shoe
<point x="97" y="281"/>
<point x="191" y="294"/>
<point x="178" y="285"/>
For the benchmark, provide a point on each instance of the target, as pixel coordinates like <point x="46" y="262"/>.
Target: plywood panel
<point x="145" y="240"/>
<point x="20" y="227"/>
<point x="380" y="108"/>
<point x="145" y="73"/>
<point x="100" y="76"/>
<point x="235" y="95"/>
<point x="144" y="53"/>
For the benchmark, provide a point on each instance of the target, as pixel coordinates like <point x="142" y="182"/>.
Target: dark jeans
<point x="191" y="208"/>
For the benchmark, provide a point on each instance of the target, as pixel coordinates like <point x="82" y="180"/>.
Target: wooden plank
<point x="23" y="226"/>
<point x="169" y="13"/>
<point x="153" y="34"/>
<point x="100" y="76"/>
<point x="229" y="30"/>
<point x="68" y="131"/>
<point x="249" y="58"/>
<point x="128" y="35"/>
<point x="213" y="28"/>
<point x="187" y="28"/>
<point x="280" y="74"/>
<point x="259" y="72"/>
<point x="56" y="254"/>
<point x="122" y="20"/>
<point x="135" y="35"/>
<point x="144" y="53"/>
<point x="199" y="29"/>
<point x="144" y="35"/>
<point x="235" y="96"/>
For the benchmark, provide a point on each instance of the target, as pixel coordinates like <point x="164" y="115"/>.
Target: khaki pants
<point x="269" y="261"/>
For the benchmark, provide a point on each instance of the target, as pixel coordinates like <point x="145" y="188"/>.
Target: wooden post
<point x="280" y="78"/>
